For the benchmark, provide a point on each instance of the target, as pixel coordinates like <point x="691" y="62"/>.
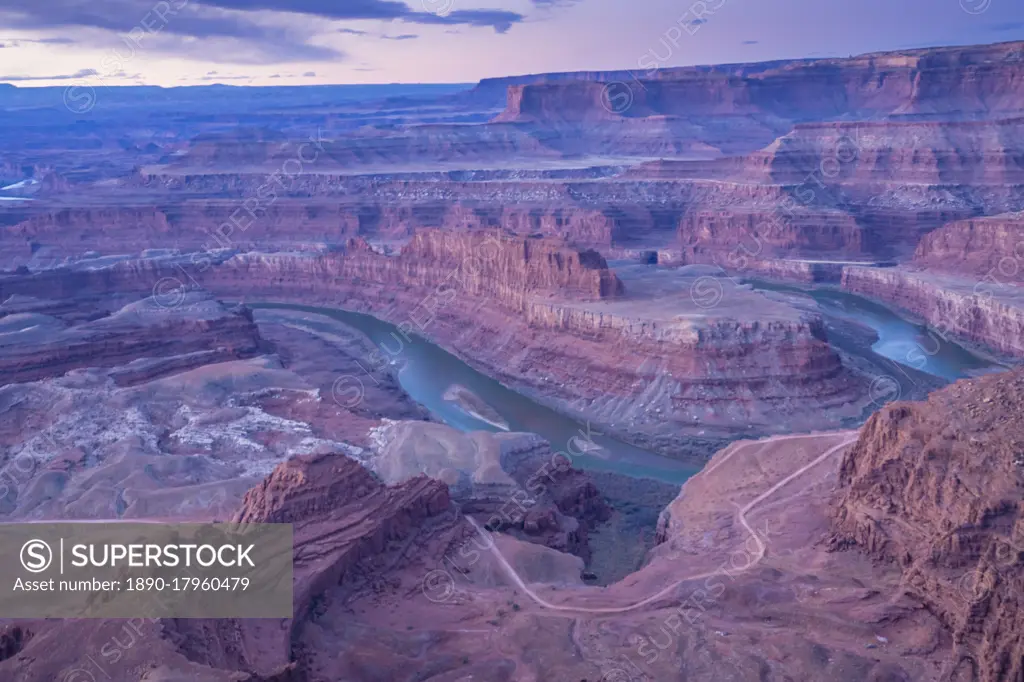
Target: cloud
<point x="1008" y="26"/>
<point x="238" y="31"/>
<point x="16" y="42"/>
<point x="750" y="42"/>
<point x="697" y="22"/>
<point x="309" y="74"/>
<point x="172" y="26"/>
<point x="83" y="73"/>
<point x="499" y="20"/>
<point x="352" y="31"/>
<point x="404" y="36"/>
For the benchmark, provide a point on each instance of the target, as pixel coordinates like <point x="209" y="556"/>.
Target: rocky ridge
<point x="146" y="338"/>
<point x="936" y="489"/>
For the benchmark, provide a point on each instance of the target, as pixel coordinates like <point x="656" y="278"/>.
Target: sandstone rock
<point x="340" y="516"/>
<point x="981" y="312"/>
<point x="148" y="338"/>
<point x="935" y="489"/>
<point x="956" y="80"/>
<point x="991" y="249"/>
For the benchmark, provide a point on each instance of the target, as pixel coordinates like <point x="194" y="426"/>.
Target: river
<point x="426" y="371"/>
<point x="908" y="344"/>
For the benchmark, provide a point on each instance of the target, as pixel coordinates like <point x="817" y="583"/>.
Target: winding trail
<point x="742" y="516"/>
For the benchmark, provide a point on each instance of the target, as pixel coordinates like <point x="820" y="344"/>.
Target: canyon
<point x="735" y="478"/>
<point x="551" y="321"/>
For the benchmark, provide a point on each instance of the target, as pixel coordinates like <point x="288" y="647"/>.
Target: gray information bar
<point x="145" y="570"/>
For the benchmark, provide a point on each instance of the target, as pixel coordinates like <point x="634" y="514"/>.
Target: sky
<point x="306" y="42"/>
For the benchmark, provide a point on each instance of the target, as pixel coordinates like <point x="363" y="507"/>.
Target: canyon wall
<point x="935" y="489"/>
<point x="732" y="236"/>
<point x="523" y="317"/>
<point x="976" y="312"/>
<point x="344" y="521"/>
<point x="991" y="249"/>
<point x="150" y="339"/>
<point x="939" y="81"/>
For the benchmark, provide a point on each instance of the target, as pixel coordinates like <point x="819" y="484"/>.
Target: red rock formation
<point x="195" y="331"/>
<point x="991" y="249"/>
<point x="730" y="237"/>
<point x="976" y="311"/>
<point x="341" y="517"/>
<point x="936" y="153"/>
<point x="958" y="80"/>
<point x="936" y="489"/>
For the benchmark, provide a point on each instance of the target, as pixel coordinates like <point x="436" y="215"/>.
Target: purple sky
<point x="268" y="42"/>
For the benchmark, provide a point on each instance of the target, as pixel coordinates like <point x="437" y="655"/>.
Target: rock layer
<point x="972" y="310"/>
<point x="955" y="80"/>
<point x="162" y="340"/>
<point x="936" y="488"/>
<point x="991" y="249"/>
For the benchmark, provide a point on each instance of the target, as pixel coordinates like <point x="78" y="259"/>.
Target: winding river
<point x="426" y="372"/>
<point x="904" y="342"/>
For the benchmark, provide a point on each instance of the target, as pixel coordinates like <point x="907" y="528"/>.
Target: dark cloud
<point x="234" y="35"/>
<point x="168" y="27"/>
<point x="1008" y="26"/>
<point x="404" y="36"/>
<point x="351" y="31"/>
<point x="83" y="73"/>
<point x="499" y="20"/>
<point x="697" y="22"/>
<point x="310" y="74"/>
<point x="750" y="42"/>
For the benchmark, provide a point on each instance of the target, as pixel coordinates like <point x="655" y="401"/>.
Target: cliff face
<point x="731" y="237"/>
<point x="936" y="489"/>
<point x="936" y="153"/>
<point x="36" y="346"/>
<point x="991" y="249"/>
<point x="499" y="265"/>
<point x="979" y="79"/>
<point x="984" y="313"/>
<point x="343" y="520"/>
<point x="487" y="263"/>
